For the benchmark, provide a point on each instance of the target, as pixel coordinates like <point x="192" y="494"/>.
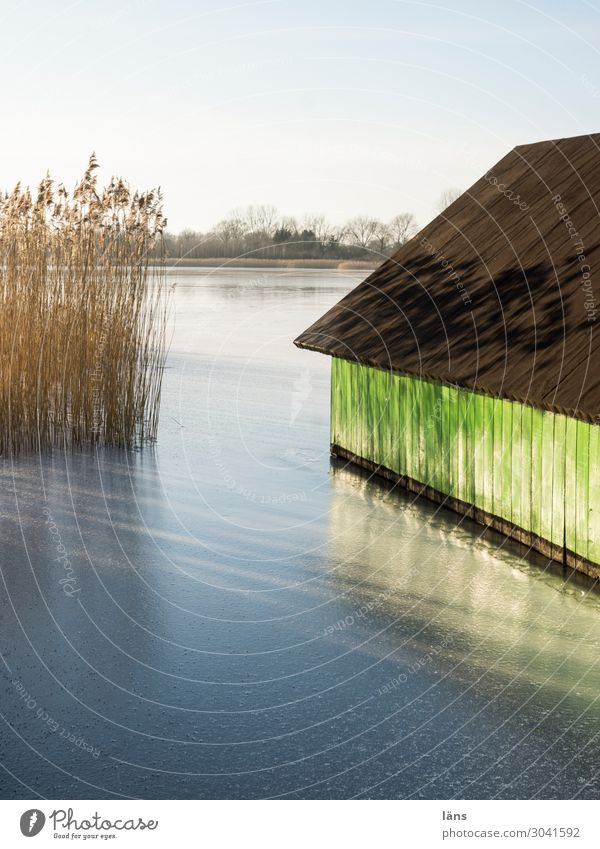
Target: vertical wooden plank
<point x="400" y="387"/>
<point x="342" y="395"/>
<point x="525" y="471"/>
<point x="359" y="407"/>
<point x="537" y="428"/>
<point x="420" y="428"/>
<point x="351" y="407"/>
<point x="594" y="494"/>
<point x="408" y="432"/>
<point x="461" y="412"/>
<point x="342" y="392"/>
<point x="444" y="472"/>
<point x="488" y="454"/>
<point x="355" y="411"/>
<point x="497" y="470"/>
<point x="506" y="460"/>
<point x="400" y="402"/>
<point x="582" y="532"/>
<point x="515" y="464"/>
<point x="341" y="400"/>
<point x="427" y="429"/>
<point x="453" y="469"/>
<point x="470" y="446"/>
<point x="421" y="399"/>
<point x="395" y="414"/>
<point x="390" y="434"/>
<point x="469" y="442"/>
<point x="425" y="422"/>
<point x="571" y="494"/>
<point x="368" y="417"/>
<point x="438" y="437"/>
<point x="333" y="407"/>
<point x="375" y="414"/>
<point x="478" y="451"/>
<point x="364" y="411"/>
<point x="423" y="392"/>
<point x="546" y="499"/>
<point x="385" y="420"/>
<point x="558" y="483"/>
<point x="385" y="427"/>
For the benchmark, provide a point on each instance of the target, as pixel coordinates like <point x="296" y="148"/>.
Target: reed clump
<point x="82" y="315"/>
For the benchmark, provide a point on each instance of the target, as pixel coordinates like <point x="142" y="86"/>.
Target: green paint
<point x="537" y="427"/>
<point x="507" y="470"/>
<point x="571" y="484"/>
<point x="498" y="409"/>
<point x="453" y="441"/>
<point x="514" y="455"/>
<point x="558" y="482"/>
<point x="547" y="475"/>
<point x="487" y="502"/>
<point x="594" y="494"/>
<point x="524" y="460"/>
<point x="444" y="475"/>
<point x="529" y="466"/>
<point x="478" y="445"/>
<point x="582" y="481"/>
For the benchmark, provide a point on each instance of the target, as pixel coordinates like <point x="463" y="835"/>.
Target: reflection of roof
<point x="497" y="292"/>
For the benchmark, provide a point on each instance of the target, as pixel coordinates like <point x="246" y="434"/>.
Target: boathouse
<point x="467" y="366"/>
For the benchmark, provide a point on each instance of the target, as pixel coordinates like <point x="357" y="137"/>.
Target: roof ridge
<point x="555" y="141"/>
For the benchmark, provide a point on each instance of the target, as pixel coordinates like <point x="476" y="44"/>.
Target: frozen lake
<point x="233" y="615"/>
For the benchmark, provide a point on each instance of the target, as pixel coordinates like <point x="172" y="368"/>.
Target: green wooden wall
<point x="533" y="468"/>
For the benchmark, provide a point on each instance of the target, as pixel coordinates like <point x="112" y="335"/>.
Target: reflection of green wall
<point x="532" y="468"/>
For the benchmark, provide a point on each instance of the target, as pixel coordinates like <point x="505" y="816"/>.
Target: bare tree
<point x="262" y="229"/>
<point x="402" y="227"/>
<point x="230" y="229"/>
<point x="187" y="242"/>
<point x="289" y="222"/>
<point x="382" y="237"/>
<point x="261" y="219"/>
<point x="361" y="231"/>
<point x="319" y="225"/>
<point x="447" y="197"/>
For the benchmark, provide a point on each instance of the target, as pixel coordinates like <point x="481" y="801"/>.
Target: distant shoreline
<point x="247" y="262"/>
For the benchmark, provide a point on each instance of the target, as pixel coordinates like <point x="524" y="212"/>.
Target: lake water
<point x="232" y="614"/>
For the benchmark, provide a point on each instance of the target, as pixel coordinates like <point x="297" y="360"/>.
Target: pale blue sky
<point x="315" y="106"/>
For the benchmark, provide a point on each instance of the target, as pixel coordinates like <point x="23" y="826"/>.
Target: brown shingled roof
<point x="494" y="293"/>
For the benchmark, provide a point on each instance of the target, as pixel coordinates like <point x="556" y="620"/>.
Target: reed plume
<point x="82" y="315"/>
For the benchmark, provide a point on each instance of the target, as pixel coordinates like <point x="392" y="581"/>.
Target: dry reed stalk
<point x="82" y="315"/>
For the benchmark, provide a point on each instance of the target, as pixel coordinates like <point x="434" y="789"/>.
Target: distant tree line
<point x="262" y="232"/>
